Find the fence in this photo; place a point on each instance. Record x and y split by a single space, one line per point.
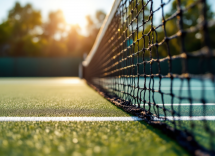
39 67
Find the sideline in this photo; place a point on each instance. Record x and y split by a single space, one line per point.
183 104
183 118
133 118
70 119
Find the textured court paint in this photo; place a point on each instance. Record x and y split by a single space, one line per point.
121 138
52 97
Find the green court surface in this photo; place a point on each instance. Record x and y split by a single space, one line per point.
29 97
52 97
84 138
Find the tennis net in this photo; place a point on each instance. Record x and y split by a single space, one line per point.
155 59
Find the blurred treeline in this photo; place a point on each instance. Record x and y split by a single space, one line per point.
150 34
24 34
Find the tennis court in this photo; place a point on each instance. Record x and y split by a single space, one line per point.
148 88
71 97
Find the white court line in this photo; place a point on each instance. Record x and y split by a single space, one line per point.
184 104
185 88
100 118
188 118
70 118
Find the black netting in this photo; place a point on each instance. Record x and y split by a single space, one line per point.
156 60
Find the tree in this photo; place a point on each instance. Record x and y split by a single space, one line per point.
74 41
55 25
24 34
5 31
53 33
24 19
93 28
191 18
20 23
192 42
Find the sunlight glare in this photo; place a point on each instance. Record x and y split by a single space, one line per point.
74 11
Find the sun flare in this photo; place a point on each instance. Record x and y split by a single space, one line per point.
75 11
72 17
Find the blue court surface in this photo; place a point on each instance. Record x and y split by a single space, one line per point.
180 96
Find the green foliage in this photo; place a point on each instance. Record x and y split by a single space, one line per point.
55 24
93 29
16 31
23 19
24 34
192 41
5 31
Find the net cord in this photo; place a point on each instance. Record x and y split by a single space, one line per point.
101 33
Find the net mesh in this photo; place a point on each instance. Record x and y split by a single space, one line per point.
156 60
